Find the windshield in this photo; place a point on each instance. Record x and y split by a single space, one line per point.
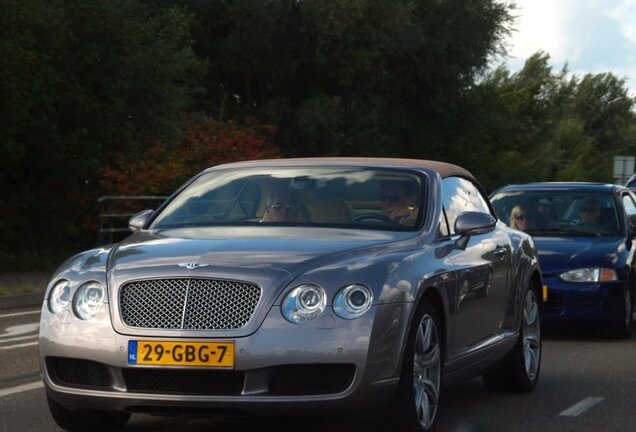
306 196
558 213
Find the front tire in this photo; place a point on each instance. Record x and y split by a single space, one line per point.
85 420
519 372
623 330
417 401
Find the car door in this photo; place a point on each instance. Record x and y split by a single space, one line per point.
478 304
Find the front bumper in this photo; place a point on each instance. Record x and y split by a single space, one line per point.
593 302
328 363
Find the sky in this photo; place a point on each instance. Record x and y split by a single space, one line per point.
591 36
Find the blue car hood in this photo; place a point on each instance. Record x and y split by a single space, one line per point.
559 254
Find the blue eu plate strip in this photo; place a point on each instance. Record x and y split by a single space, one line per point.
132 352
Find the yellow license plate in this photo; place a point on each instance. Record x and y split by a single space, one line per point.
181 353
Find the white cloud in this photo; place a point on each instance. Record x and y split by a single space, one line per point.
591 36
539 25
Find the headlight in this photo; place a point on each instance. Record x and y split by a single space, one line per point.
352 301
88 300
59 297
303 303
591 274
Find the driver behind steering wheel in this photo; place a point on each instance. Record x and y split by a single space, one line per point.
399 201
589 212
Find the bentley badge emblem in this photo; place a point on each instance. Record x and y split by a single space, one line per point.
192 266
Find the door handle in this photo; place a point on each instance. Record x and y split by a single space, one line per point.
500 252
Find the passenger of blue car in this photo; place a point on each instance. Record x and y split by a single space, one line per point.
546 216
520 218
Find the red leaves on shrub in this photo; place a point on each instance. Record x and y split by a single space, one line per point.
163 167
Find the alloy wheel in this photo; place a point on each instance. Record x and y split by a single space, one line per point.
426 371
531 330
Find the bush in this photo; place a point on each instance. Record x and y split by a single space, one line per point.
205 143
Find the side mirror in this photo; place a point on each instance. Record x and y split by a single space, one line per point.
138 220
472 223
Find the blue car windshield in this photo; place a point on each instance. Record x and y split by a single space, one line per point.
385 199
558 213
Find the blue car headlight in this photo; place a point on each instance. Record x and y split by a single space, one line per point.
589 274
352 301
303 303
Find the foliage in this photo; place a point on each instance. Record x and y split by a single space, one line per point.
546 126
80 82
347 77
100 97
205 143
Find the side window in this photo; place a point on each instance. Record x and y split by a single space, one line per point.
476 198
460 195
630 209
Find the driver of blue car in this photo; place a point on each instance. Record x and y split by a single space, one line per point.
589 212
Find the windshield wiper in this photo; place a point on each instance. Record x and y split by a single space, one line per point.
583 233
546 230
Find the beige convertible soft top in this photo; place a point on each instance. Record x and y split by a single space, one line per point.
443 168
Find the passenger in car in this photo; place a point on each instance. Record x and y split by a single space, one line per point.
281 206
546 214
589 212
399 201
520 218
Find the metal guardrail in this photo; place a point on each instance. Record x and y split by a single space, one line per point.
114 212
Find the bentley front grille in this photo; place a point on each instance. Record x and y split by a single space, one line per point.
188 304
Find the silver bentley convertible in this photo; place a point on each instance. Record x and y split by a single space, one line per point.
278 286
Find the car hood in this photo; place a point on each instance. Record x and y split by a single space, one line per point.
561 254
270 257
237 251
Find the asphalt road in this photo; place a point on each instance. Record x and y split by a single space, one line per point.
588 383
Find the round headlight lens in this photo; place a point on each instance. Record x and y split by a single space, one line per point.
88 300
303 303
60 296
352 301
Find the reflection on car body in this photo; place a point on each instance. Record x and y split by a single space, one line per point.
211 307
585 237
631 183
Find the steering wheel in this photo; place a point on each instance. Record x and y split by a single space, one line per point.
379 217
591 228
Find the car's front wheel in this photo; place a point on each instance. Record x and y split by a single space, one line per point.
623 329
85 420
520 370
417 400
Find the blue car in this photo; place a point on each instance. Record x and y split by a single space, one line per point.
584 233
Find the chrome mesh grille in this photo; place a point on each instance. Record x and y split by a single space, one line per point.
188 304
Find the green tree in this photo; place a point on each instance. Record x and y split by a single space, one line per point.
354 77
604 107
80 82
538 125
